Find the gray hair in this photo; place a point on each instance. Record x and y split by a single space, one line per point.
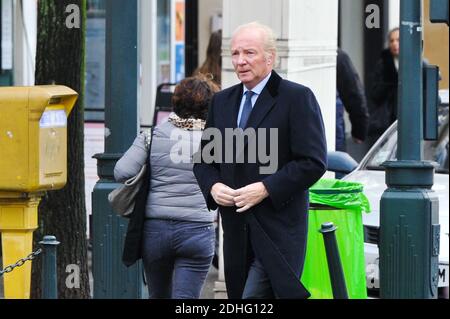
270 40
391 32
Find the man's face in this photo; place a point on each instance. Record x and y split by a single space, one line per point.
394 43
251 63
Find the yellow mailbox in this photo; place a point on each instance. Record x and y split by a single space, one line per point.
33 137
33 159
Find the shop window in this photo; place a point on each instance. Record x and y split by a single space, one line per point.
94 99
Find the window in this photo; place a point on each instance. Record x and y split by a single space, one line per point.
6 40
94 99
435 151
163 41
385 151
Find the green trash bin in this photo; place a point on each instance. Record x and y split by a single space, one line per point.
341 203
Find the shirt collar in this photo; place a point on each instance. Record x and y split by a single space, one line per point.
258 88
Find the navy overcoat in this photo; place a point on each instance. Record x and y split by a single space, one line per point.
276 229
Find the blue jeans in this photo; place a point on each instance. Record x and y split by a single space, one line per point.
177 256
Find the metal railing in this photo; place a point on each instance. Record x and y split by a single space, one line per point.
20 262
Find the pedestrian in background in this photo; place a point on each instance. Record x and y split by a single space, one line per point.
350 96
212 67
383 89
264 214
178 237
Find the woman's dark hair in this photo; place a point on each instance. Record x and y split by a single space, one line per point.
213 64
192 97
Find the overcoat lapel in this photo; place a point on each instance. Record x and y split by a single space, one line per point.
265 102
232 111
263 106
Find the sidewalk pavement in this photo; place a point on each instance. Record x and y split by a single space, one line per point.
207 292
208 287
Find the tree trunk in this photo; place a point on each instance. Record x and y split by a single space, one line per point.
60 60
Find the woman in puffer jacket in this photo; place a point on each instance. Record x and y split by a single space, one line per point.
178 237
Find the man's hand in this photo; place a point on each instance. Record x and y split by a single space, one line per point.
249 196
223 195
357 140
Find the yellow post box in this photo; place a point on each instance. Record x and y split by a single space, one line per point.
33 159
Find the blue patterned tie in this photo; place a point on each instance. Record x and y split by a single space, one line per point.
247 109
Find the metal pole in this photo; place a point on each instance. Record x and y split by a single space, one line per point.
409 220
112 280
334 261
410 124
49 270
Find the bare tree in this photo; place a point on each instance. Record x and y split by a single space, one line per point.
60 59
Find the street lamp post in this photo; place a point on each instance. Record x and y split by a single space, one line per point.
112 280
409 220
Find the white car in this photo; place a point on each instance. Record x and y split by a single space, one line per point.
370 173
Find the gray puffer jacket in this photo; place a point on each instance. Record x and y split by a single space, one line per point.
174 192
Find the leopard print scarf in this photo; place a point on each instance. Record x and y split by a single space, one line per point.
190 124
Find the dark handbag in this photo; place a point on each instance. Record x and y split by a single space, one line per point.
132 250
123 198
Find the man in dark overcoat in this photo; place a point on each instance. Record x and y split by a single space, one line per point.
263 204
